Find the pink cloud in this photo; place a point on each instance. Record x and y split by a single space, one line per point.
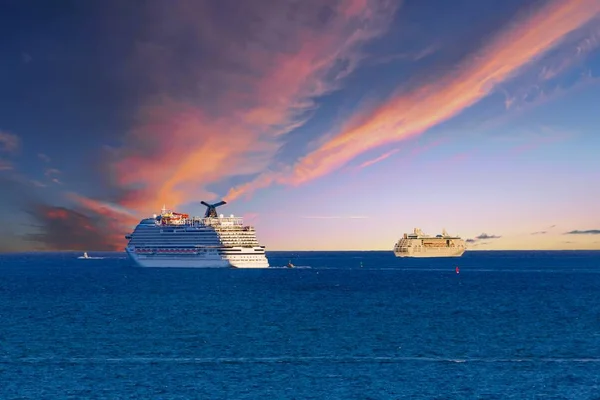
112 220
255 83
407 114
61 228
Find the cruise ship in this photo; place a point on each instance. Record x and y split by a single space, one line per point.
173 239
418 244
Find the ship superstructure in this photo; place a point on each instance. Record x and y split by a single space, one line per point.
418 244
174 239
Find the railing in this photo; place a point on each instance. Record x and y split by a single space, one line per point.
201 221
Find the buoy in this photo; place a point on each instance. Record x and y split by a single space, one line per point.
457 270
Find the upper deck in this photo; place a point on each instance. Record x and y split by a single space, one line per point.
220 222
418 234
169 218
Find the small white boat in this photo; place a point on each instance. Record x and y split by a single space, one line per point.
290 265
86 257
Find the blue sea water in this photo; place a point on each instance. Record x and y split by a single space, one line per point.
510 325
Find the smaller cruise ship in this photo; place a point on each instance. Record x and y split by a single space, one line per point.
417 244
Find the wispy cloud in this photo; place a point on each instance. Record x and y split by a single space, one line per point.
88 224
51 172
52 175
573 54
334 217
38 184
44 157
543 83
9 142
61 228
413 56
477 240
378 159
544 231
584 232
261 80
407 114
78 224
100 207
6 165
486 236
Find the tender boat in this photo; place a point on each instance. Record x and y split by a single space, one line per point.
86 257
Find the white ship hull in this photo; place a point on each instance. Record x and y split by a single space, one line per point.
200 261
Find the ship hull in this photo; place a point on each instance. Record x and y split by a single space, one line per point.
150 261
431 253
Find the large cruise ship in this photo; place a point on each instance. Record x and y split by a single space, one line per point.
418 244
177 240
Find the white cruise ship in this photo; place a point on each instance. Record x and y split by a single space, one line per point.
418 244
177 240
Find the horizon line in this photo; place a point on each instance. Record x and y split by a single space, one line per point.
299 251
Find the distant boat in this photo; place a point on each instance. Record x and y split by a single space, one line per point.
86 257
418 244
290 265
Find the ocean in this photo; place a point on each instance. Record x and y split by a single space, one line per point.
343 325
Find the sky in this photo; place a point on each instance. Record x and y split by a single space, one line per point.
326 124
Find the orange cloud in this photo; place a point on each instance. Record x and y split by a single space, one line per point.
111 220
56 213
61 228
407 114
100 207
259 85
